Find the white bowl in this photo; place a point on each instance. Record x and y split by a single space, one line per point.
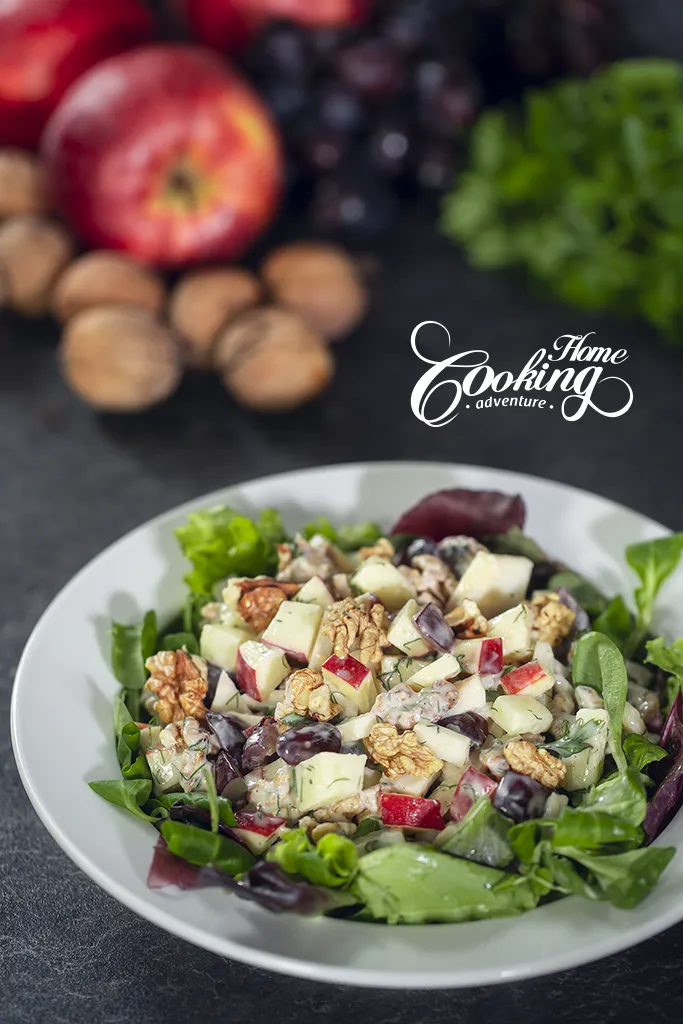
61 731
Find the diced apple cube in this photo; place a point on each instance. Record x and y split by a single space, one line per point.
413 785
315 591
585 768
220 644
514 628
481 656
530 679
445 667
149 736
260 669
294 629
399 809
404 634
379 576
227 697
494 582
445 790
517 714
326 778
471 696
257 831
394 669
472 785
352 679
444 743
163 769
357 728
322 649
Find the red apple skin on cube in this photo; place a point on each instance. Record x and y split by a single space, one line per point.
246 677
166 153
491 657
411 811
520 679
256 830
353 679
45 45
472 785
255 821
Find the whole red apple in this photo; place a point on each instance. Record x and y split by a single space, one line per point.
164 152
227 25
312 13
46 44
220 24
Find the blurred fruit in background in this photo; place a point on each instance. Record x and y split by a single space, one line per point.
164 152
378 111
177 155
227 25
46 44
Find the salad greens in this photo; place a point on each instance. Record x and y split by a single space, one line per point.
333 861
220 542
348 538
598 663
411 883
206 849
504 846
482 836
130 648
583 191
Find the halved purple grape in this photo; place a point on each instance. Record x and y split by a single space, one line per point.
227 731
520 797
259 748
303 741
469 724
582 621
228 777
434 628
420 546
213 674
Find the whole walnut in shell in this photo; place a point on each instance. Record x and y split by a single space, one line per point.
22 184
203 301
320 282
120 358
33 252
272 360
104 278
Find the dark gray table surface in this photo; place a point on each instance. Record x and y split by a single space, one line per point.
72 482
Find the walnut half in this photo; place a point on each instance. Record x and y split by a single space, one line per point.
307 694
525 757
352 626
260 599
401 753
179 681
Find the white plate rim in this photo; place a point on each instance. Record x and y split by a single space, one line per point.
283 964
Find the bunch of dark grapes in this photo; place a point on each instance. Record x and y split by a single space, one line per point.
378 114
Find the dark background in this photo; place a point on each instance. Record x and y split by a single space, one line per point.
72 482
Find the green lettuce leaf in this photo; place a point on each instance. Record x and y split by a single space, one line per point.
332 862
653 561
348 538
206 849
597 662
415 884
481 836
220 542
